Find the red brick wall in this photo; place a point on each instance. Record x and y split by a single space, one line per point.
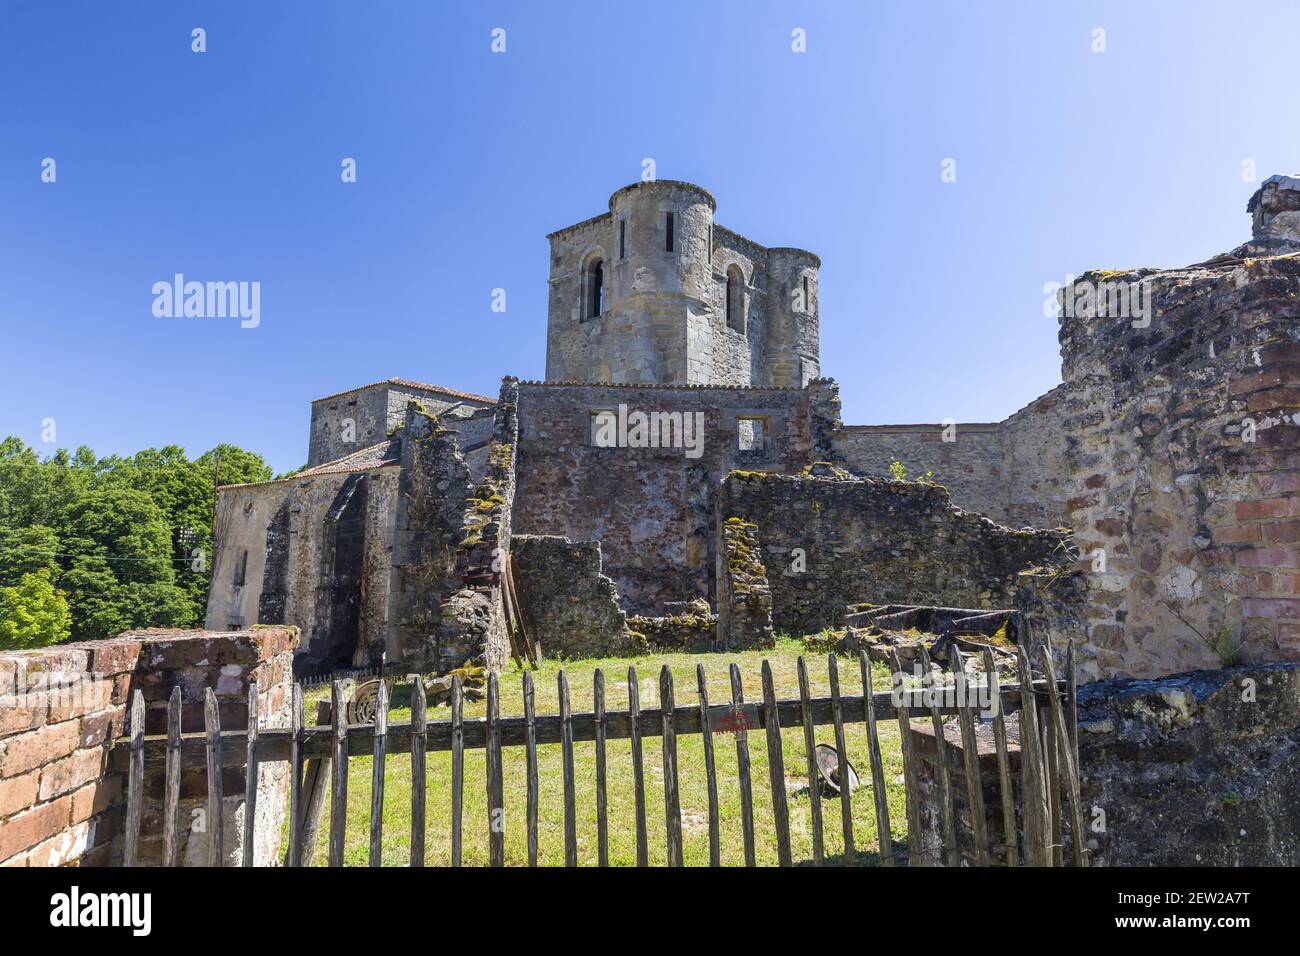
62 707
1263 538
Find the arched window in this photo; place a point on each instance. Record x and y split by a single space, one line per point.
595 288
735 300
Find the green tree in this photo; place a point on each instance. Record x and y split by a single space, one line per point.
26 551
127 539
124 565
33 613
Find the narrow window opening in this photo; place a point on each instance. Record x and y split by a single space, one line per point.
734 305
668 241
241 568
622 238
596 292
750 434
807 302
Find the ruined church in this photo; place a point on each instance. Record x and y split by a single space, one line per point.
1149 495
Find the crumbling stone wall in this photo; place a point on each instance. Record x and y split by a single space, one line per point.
63 793
1186 467
349 421
273 559
435 493
1196 769
745 597
568 604
651 509
1013 471
828 542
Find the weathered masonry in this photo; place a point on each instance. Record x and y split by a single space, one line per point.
679 353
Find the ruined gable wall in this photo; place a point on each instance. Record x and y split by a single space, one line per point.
878 541
651 509
281 526
1183 509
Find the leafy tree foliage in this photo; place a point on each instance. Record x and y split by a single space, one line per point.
33 613
125 541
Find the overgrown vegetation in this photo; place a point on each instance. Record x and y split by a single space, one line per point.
93 546
898 472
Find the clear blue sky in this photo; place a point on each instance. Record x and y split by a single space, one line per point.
225 166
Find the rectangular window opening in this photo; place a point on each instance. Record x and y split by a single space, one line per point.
241 568
751 434
622 238
668 241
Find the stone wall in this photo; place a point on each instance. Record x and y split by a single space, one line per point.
1013 471
828 542
1185 467
745 597
349 421
273 560
568 604
651 509
62 797
1197 769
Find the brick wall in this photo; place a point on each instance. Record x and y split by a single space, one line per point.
1185 463
62 795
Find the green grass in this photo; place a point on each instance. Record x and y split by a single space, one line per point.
691 775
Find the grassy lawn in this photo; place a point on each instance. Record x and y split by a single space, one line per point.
691 776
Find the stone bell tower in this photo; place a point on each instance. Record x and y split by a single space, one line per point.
655 292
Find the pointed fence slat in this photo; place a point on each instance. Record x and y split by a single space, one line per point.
570 796
742 765
172 784
457 766
602 795
776 768
295 778
710 771
915 856
1072 704
638 768
1033 794
377 769
135 785
885 838
495 788
419 775
971 761
814 781
530 715
1066 756
1053 776
339 790
942 763
250 778
212 724
841 747
1004 761
316 786
672 800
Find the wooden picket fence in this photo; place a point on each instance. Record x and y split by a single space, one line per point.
318 756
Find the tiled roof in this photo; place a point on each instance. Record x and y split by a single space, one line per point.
376 456
406 382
